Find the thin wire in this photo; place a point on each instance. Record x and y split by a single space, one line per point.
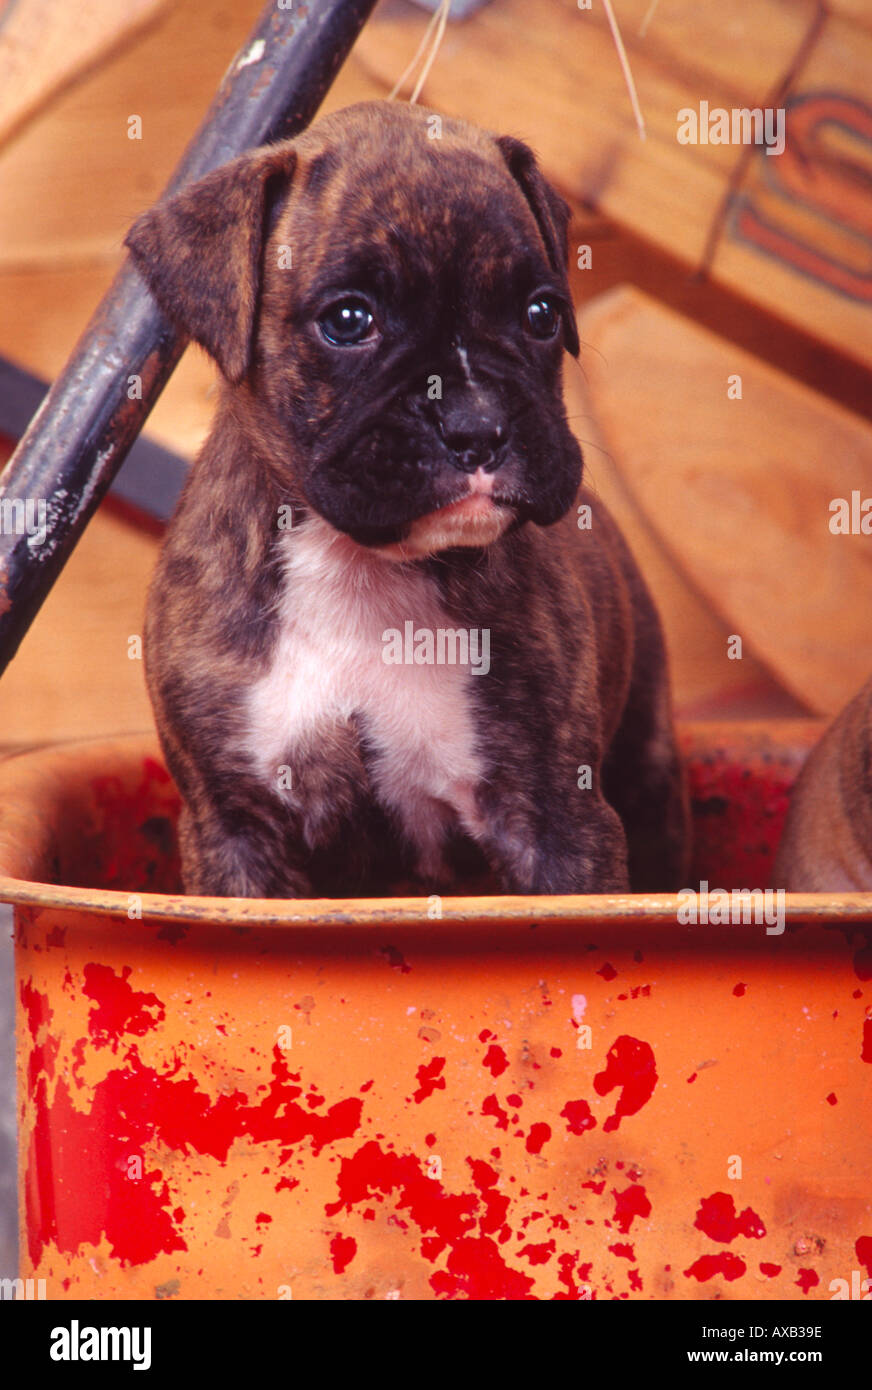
442 13
625 67
421 46
649 15
438 15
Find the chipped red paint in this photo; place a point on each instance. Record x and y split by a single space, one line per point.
566 1264
395 959
630 1065
578 1116
42 1061
623 1251
539 1135
739 989
496 1204
808 1279
120 1009
429 1079
632 1202
373 1172
133 1212
342 1251
832 1098
769 1270
866 1052
36 1006
495 1060
539 1254
863 1251
739 806
491 1106
607 970
133 845
717 1219
474 1267
707 1266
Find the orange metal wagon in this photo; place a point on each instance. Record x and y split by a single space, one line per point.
485 1098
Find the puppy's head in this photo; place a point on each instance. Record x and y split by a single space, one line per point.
390 291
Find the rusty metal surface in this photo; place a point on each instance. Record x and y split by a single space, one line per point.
80 435
527 1098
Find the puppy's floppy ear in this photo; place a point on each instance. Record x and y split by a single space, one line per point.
552 215
200 252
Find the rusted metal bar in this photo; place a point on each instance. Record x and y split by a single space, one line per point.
79 437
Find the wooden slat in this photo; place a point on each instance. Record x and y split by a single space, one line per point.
45 44
72 676
738 492
560 86
704 684
73 182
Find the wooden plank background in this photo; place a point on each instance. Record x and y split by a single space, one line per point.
560 87
71 182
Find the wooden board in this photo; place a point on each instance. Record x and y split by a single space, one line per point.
72 676
73 182
46 44
738 492
705 685
794 234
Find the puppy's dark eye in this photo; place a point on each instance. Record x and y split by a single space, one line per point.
347 322
542 318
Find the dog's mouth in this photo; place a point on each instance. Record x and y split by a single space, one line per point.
466 510
477 519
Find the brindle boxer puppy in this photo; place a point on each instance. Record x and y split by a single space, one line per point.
389 306
827 841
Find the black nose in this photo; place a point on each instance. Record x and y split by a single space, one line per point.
473 434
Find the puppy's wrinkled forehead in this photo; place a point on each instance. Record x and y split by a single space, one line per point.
418 210
385 206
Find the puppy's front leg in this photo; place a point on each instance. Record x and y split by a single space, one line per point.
290 827
239 849
554 843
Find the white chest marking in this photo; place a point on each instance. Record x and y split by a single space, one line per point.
328 664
